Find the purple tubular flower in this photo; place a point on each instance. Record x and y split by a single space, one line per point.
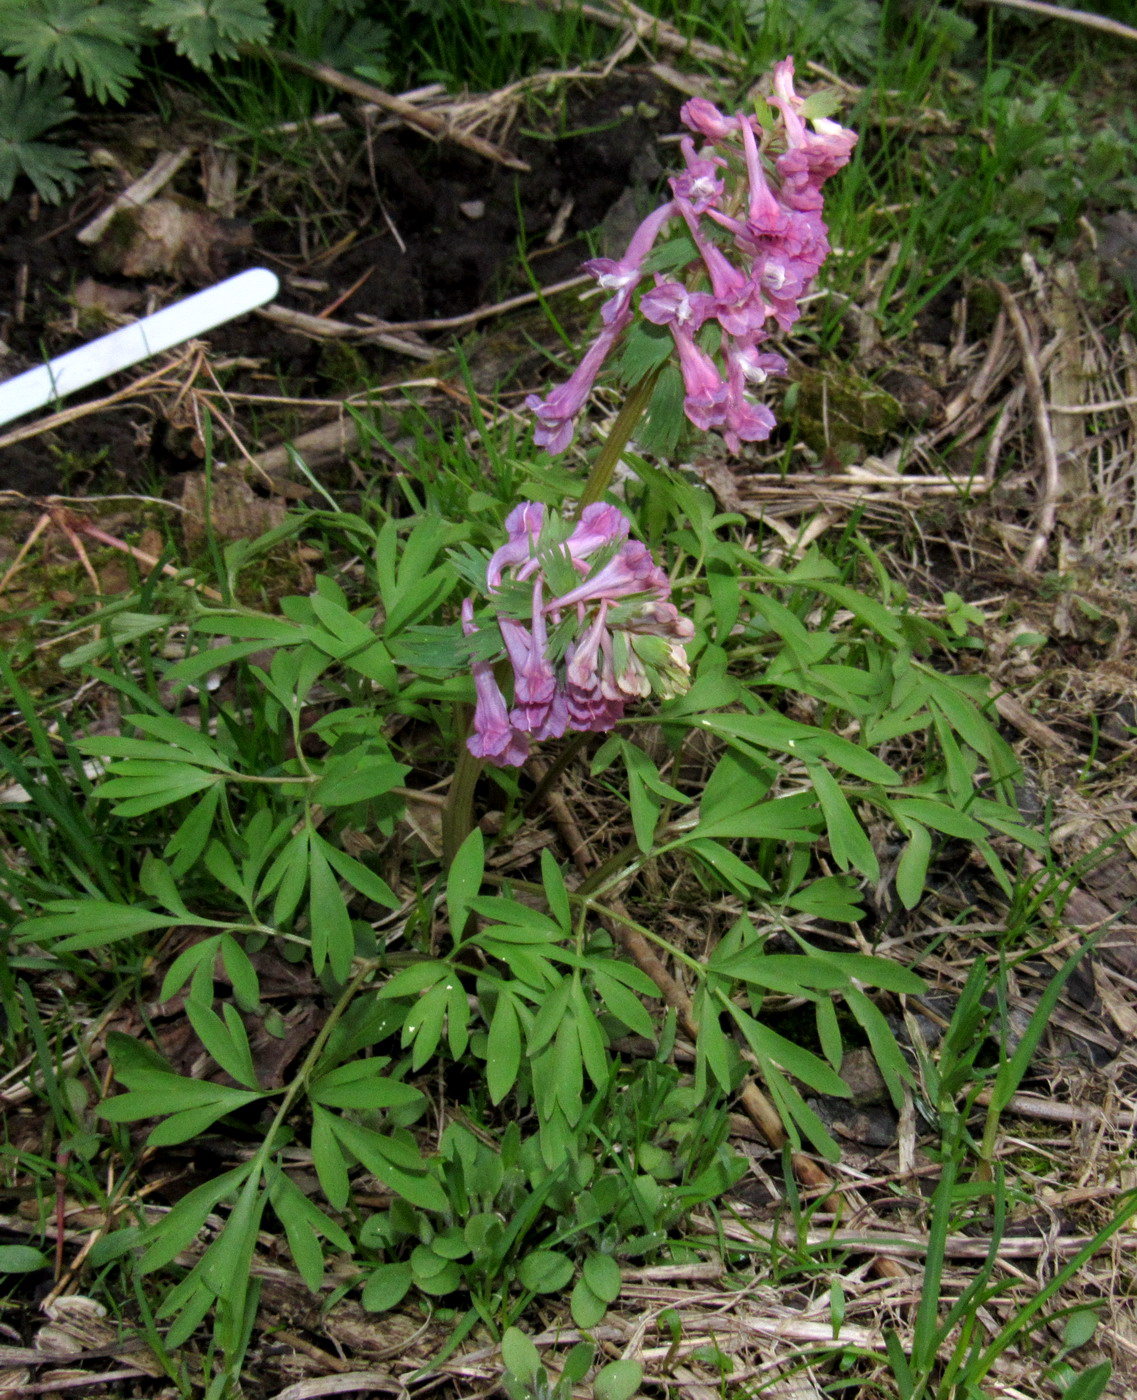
700 186
752 365
813 156
737 303
592 705
701 115
535 698
632 571
770 204
671 304
493 736
523 525
628 643
707 392
557 413
599 525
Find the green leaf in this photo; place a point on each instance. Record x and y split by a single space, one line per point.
464 880
730 868
624 1005
555 890
796 1113
359 876
603 1276
409 981
792 818
303 1223
433 1273
590 1035
328 1159
91 923
179 1227
425 1021
829 1031
545 1271
97 43
519 1354
21 1259
386 1287
886 1051
381 1157
645 810
140 793
225 1040
365 780
793 974
359 1084
241 973
619 1380
1079 1328
775 731
220 864
503 1048
712 1050
1089 1384
834 897
887 973
588 1308
193 1104
184 848
157 880
27 111
174 734
288 875
803 1064
847 838
225 1266
938 816
912 868
333 941
207 29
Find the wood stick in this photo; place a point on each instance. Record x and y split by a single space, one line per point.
1052 479
429 123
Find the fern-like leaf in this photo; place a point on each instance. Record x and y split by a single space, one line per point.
97 43
202 30
27 110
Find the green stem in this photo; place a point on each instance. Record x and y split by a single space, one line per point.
458 813
603 469
300 1081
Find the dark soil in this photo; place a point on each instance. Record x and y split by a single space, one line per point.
415 230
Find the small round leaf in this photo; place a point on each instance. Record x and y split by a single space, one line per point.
602 1275
545 1271
587 1308
521 1357
619 1380
387 1287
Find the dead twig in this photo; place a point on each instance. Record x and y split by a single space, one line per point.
497 308
140 192
83 410
429 123
623 14
325 328
1052 480
1089 19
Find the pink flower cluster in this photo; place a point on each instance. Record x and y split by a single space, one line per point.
777 242
582 653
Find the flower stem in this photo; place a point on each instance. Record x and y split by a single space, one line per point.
458 813
603 469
